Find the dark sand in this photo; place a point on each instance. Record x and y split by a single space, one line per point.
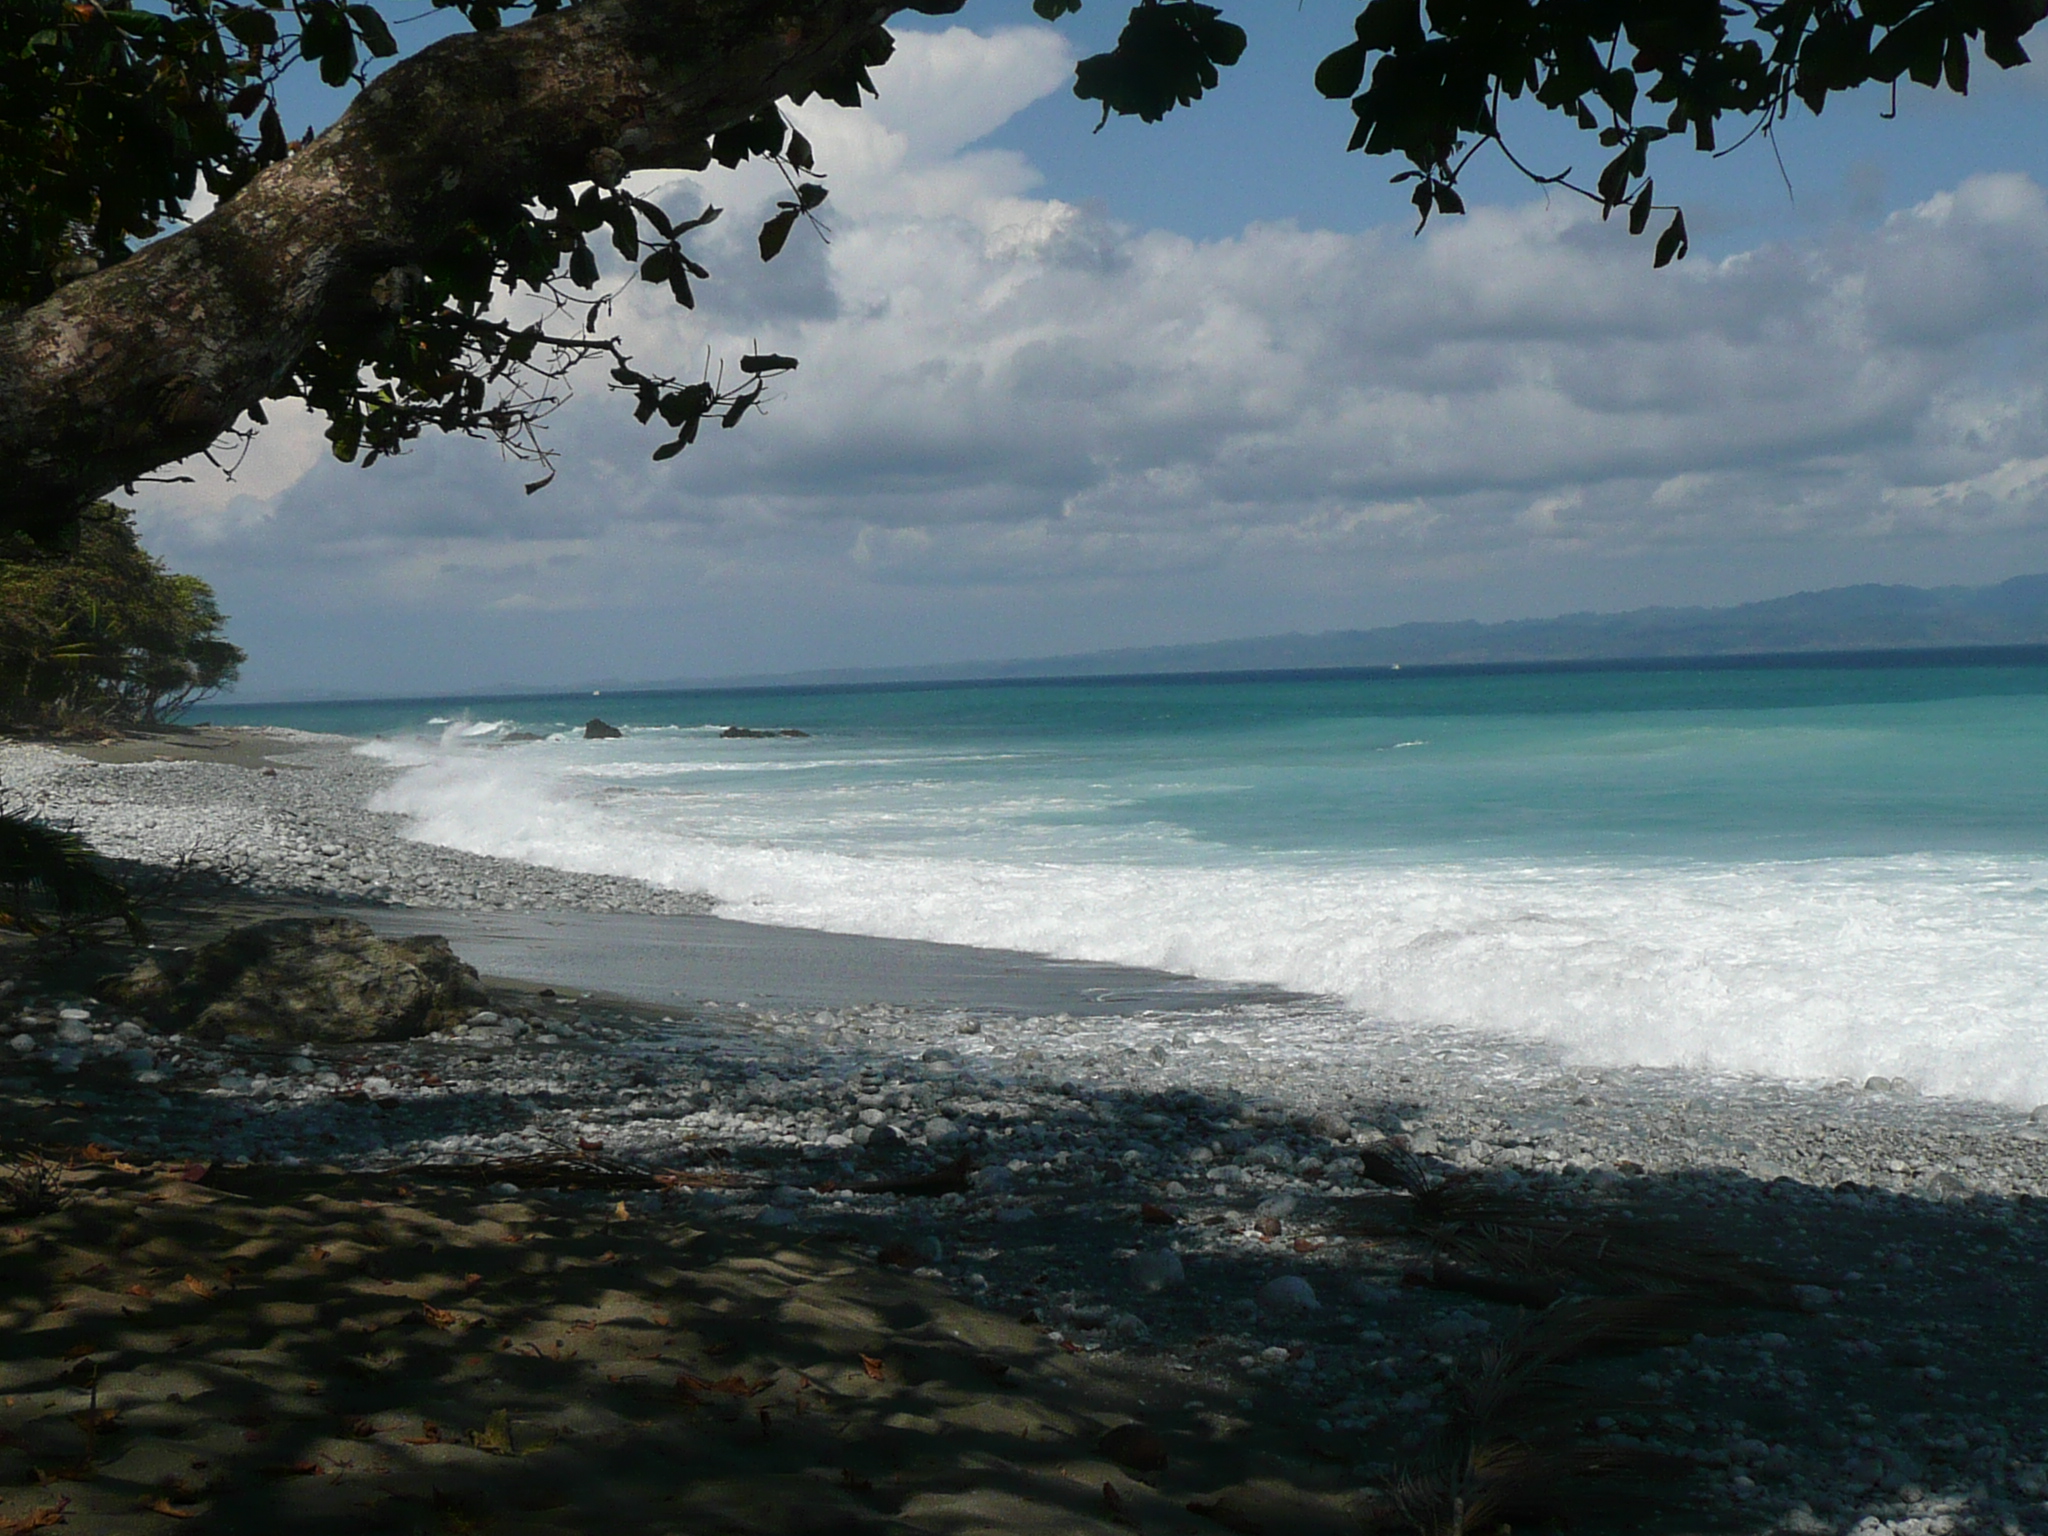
239 747
325 1352
665 960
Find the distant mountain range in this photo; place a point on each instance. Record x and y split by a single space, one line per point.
1860 618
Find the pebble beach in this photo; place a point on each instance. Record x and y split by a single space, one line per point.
1186 1194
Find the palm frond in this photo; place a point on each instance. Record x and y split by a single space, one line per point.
45 873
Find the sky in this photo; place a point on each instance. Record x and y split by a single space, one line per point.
1065 390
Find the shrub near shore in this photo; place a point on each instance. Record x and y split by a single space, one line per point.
96 637
103 635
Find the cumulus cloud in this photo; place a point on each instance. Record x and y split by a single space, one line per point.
1002 389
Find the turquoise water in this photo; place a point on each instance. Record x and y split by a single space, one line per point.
1803 871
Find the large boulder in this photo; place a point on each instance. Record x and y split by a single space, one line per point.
304 978
595 729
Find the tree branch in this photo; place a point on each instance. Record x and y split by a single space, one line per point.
151 360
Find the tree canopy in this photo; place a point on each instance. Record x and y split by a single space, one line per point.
365 271
103 635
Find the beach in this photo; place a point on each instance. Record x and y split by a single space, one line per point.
1360 1228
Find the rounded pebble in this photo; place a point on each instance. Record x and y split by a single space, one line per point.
1289 1293
1158 1270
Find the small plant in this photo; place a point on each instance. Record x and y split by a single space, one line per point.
1511 1453
32 1185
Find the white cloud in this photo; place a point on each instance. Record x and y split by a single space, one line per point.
999 388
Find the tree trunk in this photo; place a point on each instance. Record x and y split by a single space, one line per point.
153 359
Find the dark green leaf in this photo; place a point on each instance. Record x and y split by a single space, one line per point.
1342 73
1672 245
775 233
653 214
375 34
251 26
1639 212
1386 25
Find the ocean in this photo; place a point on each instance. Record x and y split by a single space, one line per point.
1818 870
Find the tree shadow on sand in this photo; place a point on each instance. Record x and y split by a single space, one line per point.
260 1348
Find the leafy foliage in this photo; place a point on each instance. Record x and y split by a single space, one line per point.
1171 51
1634 73
1427 78
114 117
104 635
47 874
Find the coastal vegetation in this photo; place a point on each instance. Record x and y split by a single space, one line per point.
101 635
95 636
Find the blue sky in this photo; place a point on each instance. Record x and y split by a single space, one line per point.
1210 171
1064 390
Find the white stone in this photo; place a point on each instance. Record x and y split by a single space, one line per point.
1289 1293
73 1031
1158 1270
73 1015
939 1128
23 1042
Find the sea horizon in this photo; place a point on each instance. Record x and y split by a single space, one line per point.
1849 657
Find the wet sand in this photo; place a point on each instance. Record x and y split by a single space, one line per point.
665 959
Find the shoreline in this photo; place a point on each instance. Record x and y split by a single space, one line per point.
1902 1227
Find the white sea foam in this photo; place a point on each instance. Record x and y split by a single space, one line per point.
1928 967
